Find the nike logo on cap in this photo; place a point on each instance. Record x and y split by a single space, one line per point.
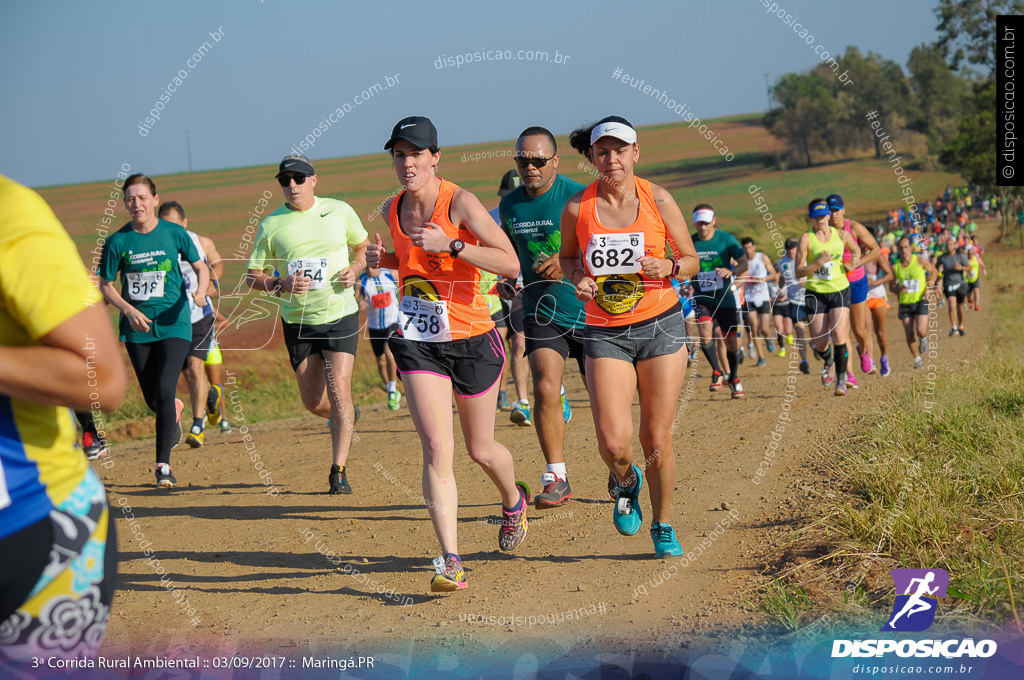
407 125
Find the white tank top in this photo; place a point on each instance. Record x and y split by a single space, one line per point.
192 282
756 293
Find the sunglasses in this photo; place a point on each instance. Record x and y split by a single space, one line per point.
286 180
538 162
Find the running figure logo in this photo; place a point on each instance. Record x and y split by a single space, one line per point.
914 611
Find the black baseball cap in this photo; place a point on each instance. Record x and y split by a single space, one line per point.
510 181
417 130
791 243
835 202
296 163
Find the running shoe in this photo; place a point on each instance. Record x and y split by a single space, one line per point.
952 332
717 382
961 331
866 365
826 376
805 367
164 476
195 437
521 414
760 362
338 480
789 339
503 403
566 408
627 515
782 351
922 345
885 367
840 388
213 404
771 346
918 362
514 524
665 543
450 575
751 349
737 388
851 380
94 447
178 408
556 492
394 400
225 426
355 410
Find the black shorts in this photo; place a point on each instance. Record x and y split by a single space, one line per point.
971 287
726 318
822 303
473 365
919 308
379 338
781 309
568 342
202 338
515 315
763 308
305 340
798 313
960 293
499 318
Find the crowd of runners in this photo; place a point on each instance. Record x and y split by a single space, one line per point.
608 275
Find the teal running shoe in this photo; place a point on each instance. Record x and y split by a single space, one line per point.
503 403
566 408
665 543
626 515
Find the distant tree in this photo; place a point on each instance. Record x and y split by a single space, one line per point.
879 85
967 29
805 118
941 98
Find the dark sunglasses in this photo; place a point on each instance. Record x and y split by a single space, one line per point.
285 180
539 162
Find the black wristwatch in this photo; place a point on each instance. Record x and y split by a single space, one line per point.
457 246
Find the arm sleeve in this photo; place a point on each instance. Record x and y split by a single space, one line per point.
260 249
109 262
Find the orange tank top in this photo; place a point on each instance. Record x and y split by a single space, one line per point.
624 294
440 276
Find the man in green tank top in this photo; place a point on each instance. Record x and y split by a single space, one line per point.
913 275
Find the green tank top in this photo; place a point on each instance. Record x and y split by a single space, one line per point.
973 270
830 277
914 280
488 285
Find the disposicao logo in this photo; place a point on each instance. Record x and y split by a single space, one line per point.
913 612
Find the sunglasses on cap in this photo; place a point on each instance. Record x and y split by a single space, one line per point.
537 162
285 180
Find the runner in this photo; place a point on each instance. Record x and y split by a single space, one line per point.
819 257
620 264
58 551
446 340
553 319
781 322
379 290
93 443
878 274
155 325
758 300
795 294
974 268
215 400
914 275
712 295
320 242
860 314
951 266
512 322
202 319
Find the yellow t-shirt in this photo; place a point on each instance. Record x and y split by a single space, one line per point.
316 242
43 283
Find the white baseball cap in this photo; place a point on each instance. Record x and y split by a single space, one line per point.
614 129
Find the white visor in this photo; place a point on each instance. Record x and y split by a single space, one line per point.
613 129
703 215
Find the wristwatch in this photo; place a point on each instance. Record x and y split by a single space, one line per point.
456 247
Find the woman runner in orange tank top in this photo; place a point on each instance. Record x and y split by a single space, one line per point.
443 236
623 239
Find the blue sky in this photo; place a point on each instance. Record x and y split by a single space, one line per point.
80 78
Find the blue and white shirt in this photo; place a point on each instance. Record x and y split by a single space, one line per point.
381 294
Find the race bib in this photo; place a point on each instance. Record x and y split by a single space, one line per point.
615 254
424 320
824 272
911 286
708 281
311 267
146 285
381 300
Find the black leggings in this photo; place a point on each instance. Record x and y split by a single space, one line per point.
157 366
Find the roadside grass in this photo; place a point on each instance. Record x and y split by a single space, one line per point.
934 478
